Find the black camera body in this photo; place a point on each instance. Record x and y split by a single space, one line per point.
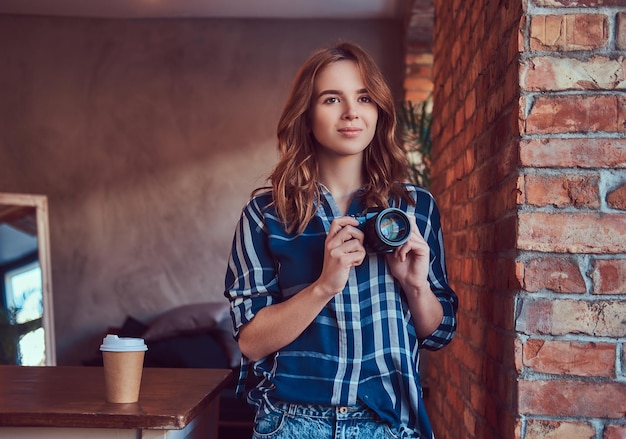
384 229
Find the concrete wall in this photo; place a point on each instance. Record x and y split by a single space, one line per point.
148 136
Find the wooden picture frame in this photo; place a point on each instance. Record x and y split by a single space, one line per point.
13 207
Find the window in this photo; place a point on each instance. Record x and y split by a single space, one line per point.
23 298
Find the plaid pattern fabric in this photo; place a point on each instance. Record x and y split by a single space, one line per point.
362 345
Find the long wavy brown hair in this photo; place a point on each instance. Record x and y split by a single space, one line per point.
295 178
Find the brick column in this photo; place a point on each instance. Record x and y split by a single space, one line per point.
529 169
570 314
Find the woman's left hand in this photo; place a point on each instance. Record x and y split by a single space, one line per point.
410 263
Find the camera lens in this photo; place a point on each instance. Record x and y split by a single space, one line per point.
390 228
386 229
393 226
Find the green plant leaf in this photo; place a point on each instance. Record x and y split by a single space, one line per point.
415 123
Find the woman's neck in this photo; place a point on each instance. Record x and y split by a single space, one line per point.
342 180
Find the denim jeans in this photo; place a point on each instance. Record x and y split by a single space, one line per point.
277 420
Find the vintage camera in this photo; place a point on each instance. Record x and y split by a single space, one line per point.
384 229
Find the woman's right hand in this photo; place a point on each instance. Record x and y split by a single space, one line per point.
343 249
277 325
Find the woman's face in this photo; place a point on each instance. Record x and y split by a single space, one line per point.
343 114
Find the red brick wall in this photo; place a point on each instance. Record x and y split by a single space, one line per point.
572 221
418 83
474 178
529 170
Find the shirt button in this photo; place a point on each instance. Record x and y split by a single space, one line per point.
343 410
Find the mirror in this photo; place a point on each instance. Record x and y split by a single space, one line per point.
26 309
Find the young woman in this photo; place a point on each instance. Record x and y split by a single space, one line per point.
331 328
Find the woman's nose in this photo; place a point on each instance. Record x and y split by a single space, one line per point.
350 113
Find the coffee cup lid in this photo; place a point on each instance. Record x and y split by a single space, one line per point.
113 343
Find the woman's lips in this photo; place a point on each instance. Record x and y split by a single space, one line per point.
350 131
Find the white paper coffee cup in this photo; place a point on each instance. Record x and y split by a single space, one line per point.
123 366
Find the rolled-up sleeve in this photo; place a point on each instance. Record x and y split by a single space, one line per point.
429 222
251 275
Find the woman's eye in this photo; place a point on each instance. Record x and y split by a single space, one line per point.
331 100
365 99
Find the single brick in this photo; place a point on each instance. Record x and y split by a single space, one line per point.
570 358
561 275
563 190
418 71
547 73
609 276
571 232
599 318
578 113
621 32
422 58
568 32
614 432
418 83
536 429
617 198
572 398
580 153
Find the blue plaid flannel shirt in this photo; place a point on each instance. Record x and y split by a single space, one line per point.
362 345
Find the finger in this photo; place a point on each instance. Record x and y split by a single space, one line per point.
350 254
402 252
341 222
349 233
338 247
415 244
345 257
414 229
354 245
344 229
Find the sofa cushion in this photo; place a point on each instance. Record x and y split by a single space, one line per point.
187 319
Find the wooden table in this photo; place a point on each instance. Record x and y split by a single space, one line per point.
65 402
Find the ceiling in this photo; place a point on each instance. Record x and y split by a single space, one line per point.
289 9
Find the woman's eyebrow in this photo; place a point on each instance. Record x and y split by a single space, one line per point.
329 92
338 92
